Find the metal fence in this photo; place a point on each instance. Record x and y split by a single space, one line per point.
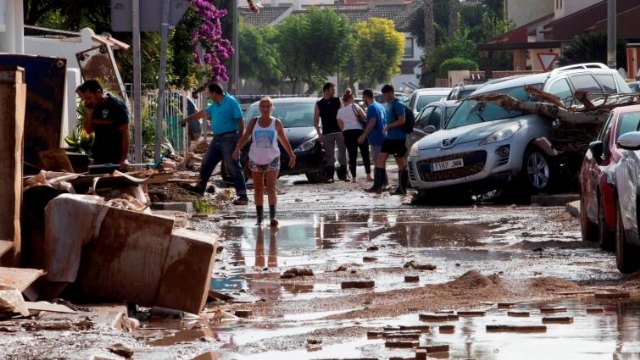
178 104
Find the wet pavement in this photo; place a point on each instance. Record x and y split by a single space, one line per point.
479 256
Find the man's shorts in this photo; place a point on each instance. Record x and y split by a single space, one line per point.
397 148
272 166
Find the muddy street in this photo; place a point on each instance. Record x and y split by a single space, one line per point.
351 275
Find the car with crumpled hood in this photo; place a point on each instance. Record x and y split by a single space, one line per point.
486 147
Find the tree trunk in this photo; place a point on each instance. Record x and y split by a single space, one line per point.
429 32
454 16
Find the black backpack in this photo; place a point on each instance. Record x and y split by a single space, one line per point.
409 119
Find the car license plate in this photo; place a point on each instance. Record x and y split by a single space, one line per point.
446 165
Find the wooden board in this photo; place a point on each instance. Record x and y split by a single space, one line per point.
19 278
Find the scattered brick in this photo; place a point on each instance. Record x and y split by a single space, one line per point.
438 317
557 320
447 329
436 348
369 259
402 335
472 312
516 328
613 295
421 354
243 313
401 344
518 313
506 305
365 284
595 310
411 278
552 309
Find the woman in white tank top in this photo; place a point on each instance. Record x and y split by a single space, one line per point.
264 156
352 127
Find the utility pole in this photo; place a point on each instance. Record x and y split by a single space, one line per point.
137 79
612 36
164 39
236 56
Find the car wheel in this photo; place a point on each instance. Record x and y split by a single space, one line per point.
320 176
536 170
627 255
606 238
588 229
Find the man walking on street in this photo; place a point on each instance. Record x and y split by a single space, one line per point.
374 123
227 126
331 136
394 143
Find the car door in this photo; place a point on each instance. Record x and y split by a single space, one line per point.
592 169
422 121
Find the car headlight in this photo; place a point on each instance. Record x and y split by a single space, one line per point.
414 151
305 146
502 134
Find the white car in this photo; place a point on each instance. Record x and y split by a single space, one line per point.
423 97
626 176
485 147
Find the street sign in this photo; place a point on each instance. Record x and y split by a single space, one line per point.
150 14
547 60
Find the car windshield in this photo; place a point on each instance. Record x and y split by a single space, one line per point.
474 112
425 100
292 114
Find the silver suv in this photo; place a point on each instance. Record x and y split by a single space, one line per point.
484 146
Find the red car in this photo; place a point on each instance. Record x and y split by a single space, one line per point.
597 192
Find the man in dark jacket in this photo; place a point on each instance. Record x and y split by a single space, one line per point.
331 136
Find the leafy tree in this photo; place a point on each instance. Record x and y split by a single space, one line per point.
378 51
259 58
591 47
313 46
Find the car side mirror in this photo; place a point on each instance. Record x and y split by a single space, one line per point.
629 141
429 129
597 148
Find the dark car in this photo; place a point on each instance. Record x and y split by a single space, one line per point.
296 115
431 118
597 191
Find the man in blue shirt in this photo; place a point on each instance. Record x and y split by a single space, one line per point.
374 124
394 143
227 126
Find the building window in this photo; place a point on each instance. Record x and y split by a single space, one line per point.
558 4
408 47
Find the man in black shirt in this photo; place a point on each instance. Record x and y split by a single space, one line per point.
108 117
331 135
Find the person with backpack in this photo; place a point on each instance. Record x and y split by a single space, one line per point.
394 143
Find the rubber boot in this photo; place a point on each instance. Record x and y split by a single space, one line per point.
403 180
378 178
260 214
272 216
385 180
330 170
342 173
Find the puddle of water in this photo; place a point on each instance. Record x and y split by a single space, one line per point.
183 336
457 242
612 334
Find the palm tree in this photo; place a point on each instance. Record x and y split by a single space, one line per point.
429 31
454 16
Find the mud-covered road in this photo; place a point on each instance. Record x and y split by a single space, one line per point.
500 261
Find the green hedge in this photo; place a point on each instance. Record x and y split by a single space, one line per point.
456 63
